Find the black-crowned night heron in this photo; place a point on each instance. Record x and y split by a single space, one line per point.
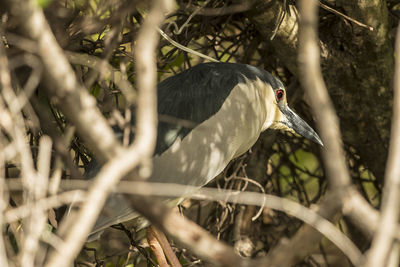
228 105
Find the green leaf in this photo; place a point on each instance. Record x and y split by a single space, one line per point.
44 3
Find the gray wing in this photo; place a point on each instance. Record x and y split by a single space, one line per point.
196 94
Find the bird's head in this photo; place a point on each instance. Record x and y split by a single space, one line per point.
286 119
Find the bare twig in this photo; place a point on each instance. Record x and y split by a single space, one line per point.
280 19
166 247
43 166
3 205
177 121
184 48
194 12
155 246
360 212
259 186
45 204
334 11
37 217
382 243
393 260
146 68
306 239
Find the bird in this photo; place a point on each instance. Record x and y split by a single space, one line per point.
209 115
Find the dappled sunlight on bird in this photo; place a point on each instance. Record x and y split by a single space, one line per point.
229 105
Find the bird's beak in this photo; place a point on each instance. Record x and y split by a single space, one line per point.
294 122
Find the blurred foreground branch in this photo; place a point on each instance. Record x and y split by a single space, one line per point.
139 152
383 242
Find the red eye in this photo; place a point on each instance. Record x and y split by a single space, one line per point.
279 94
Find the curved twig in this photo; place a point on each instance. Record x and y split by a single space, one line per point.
184 48
345 16
239 197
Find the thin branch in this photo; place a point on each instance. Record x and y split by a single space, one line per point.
360 212
303 243
146 69
37 218
44 204
155 246
43 166
312 81
334 11
382 243
194 12
3 206
166 247
184 48
281 17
